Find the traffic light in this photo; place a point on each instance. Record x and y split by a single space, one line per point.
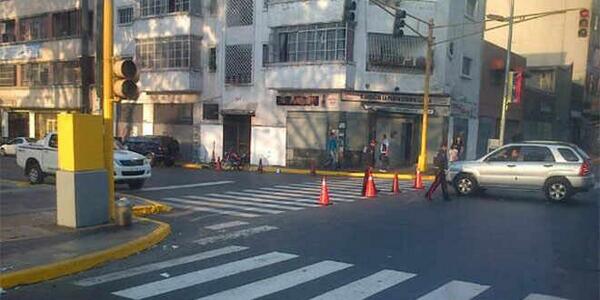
399 23
349 11
516 79
126 77
584 23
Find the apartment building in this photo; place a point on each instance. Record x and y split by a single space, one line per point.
272 79
591 92
46 63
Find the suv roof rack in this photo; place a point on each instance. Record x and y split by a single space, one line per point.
547 143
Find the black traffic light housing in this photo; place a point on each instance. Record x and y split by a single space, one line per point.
126 77
399 23
349 10
584 23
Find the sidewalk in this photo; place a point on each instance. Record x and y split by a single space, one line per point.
33 248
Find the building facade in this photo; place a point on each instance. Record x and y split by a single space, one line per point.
591 92
46 63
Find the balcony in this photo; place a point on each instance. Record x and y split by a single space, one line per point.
171 81
165 26
318 75
290 12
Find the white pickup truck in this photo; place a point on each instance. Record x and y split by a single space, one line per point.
41 159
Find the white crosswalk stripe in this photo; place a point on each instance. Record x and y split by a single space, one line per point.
455 290
368 286
309 186
542 297
209 201
190 279
280 282
248 201
254 195
226 225
314 193
158 266
235 234
213 210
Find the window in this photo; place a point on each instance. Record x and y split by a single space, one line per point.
239 12
8 75
466 66
317 42
541 80
36 74
387 53
53 142
181 114
471 8
66 23
568 155
238 64
150 8
179 52
7 31
31 29
505 154
265 54
125 15
537 154
210 111
67 72
213 7
212 59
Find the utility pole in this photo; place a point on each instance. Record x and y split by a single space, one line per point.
84 61
507 93
422 163
107 102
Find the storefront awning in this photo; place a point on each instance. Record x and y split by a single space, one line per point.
397 109
239 108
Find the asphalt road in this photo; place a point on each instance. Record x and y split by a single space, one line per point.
248 235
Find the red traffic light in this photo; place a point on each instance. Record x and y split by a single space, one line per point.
584 13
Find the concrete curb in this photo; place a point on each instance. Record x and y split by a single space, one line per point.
401 176
85 262
17 183
151 208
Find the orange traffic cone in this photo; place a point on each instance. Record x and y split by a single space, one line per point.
324 197
418 181
219 167
365 179
371 190
260 166
313 170
395 185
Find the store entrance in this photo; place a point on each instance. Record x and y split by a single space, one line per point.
236 134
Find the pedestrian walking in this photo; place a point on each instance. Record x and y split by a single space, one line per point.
460 146
441 163
370 153
453 153
332 149
384 150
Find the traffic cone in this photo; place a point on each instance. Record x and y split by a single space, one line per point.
418 181
219 167
324 197
371 190
313 170
260 166
395 185
365 179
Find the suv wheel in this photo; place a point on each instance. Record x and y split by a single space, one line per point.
34 174
558 189
465 184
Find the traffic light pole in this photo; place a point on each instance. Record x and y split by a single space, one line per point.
507 93
107 103
422 163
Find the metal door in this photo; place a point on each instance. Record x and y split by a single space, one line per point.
236 134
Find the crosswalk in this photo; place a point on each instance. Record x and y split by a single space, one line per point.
280 271
277 199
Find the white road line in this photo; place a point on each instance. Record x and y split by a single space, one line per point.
214 203
214 210
294 200
201 276
158 266
235 234
344 191
316 192
259 202
185 186
542 297
280 282
219 198
226 225
368 286
455 290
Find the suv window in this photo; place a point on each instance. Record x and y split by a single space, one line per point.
53 142
506 154
567 154
537 154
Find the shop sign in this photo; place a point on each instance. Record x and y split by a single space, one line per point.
392 98
298 100
19 52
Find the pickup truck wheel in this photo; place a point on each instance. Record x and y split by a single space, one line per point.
465 185
136 184
35 174
558 189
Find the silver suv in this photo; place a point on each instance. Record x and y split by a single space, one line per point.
559 169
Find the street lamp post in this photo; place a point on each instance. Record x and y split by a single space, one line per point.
507 93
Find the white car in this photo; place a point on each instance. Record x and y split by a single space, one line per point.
41 159
10 148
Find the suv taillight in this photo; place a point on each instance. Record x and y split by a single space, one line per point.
585 168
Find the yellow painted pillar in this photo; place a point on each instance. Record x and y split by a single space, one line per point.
107 103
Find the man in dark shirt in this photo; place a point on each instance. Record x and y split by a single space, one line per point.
441 163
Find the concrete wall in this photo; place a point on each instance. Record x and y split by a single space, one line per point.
11 9
268 144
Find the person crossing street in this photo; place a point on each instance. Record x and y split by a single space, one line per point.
441 163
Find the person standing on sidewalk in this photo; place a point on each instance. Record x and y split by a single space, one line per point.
384 150
332 148
441 163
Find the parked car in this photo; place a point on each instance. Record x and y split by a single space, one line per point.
156 148
10 148
559 169
41 159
